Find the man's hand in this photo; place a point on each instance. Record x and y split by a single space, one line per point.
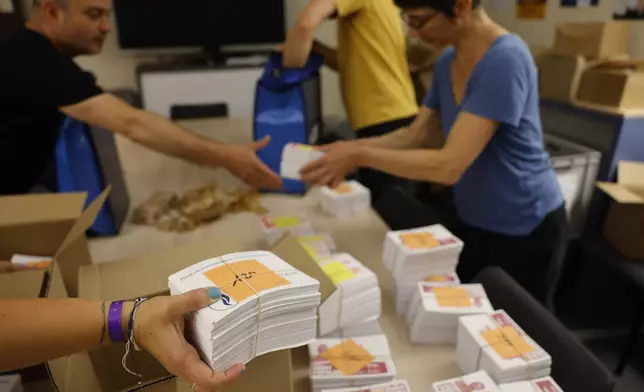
7 267
159 329
341 159
242 161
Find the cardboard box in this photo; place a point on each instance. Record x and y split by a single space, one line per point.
559 75
598 40
624 224
619 88
47 225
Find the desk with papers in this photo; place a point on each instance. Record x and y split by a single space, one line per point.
361 236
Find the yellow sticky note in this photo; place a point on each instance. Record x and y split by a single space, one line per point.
507 342
338 272
419 240
436 279
452 297
348 357
245 278
285 222
343 189
311 238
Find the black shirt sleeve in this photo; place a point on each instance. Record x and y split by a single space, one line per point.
48 76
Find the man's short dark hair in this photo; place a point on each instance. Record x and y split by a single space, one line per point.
38 3
443 6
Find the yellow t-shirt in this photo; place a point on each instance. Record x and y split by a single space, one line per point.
374 75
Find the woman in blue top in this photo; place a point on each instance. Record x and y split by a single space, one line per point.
478 130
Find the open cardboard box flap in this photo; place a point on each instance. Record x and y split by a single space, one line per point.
629 188
122 279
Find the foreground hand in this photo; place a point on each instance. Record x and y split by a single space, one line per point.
7 267
243 162
159 329
341 159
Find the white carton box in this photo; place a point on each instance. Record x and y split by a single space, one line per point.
350 198
295 156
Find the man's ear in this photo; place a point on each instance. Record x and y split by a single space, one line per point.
462 7
52 10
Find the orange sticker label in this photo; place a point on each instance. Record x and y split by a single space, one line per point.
452 297
343 189
419 240
436 279
244 279
507 342
348 357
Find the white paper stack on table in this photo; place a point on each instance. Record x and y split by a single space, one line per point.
394 386
496 344
266 305
275 227
479 381
30 261
407 291
355 362
357 298
413 255
318 246
348 199
546 384
434 313
295 156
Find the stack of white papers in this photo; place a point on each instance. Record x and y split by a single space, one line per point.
434 313
357 298
355 362
357 330
479 381
274 227
295 156
266 305
496 344
413 255
348 199
318 246
41 262
546 384
406 290
394 386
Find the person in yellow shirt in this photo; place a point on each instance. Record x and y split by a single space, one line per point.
371 59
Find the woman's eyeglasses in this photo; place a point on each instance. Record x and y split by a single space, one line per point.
417 22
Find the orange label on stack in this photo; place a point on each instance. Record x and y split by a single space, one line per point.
343 189
507 342
419 240
452 297
436 279
243 279
348 357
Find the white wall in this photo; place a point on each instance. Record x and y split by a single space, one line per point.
115 68
541 32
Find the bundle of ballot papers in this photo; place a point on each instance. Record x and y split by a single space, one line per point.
357 298
318 246
434 313
546 384
295 157
479 381
394 386
413 255
275 227
496 344
357 330
348 199
347 363
266 305
406 290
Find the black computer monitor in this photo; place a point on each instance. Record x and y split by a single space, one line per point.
204 23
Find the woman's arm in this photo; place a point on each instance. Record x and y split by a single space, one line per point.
38 330
330 55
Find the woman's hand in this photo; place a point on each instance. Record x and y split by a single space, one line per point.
341 159
159 329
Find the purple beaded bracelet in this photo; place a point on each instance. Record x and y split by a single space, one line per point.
114 321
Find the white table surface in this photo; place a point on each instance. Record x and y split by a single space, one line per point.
361 236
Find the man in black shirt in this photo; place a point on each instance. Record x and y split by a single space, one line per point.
40 84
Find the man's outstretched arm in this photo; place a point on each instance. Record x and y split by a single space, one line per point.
158 133
299 41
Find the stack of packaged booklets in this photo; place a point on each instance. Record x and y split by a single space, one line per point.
348 199
266 305
319 246
394 386
275 227
496 344
546 384
434 313
414 255
479 381
349 363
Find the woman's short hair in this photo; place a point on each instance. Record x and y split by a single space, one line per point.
445 7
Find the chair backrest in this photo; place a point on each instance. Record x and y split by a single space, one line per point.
401 211
574 367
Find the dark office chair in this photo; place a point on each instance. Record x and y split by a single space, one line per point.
401 211
574 367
